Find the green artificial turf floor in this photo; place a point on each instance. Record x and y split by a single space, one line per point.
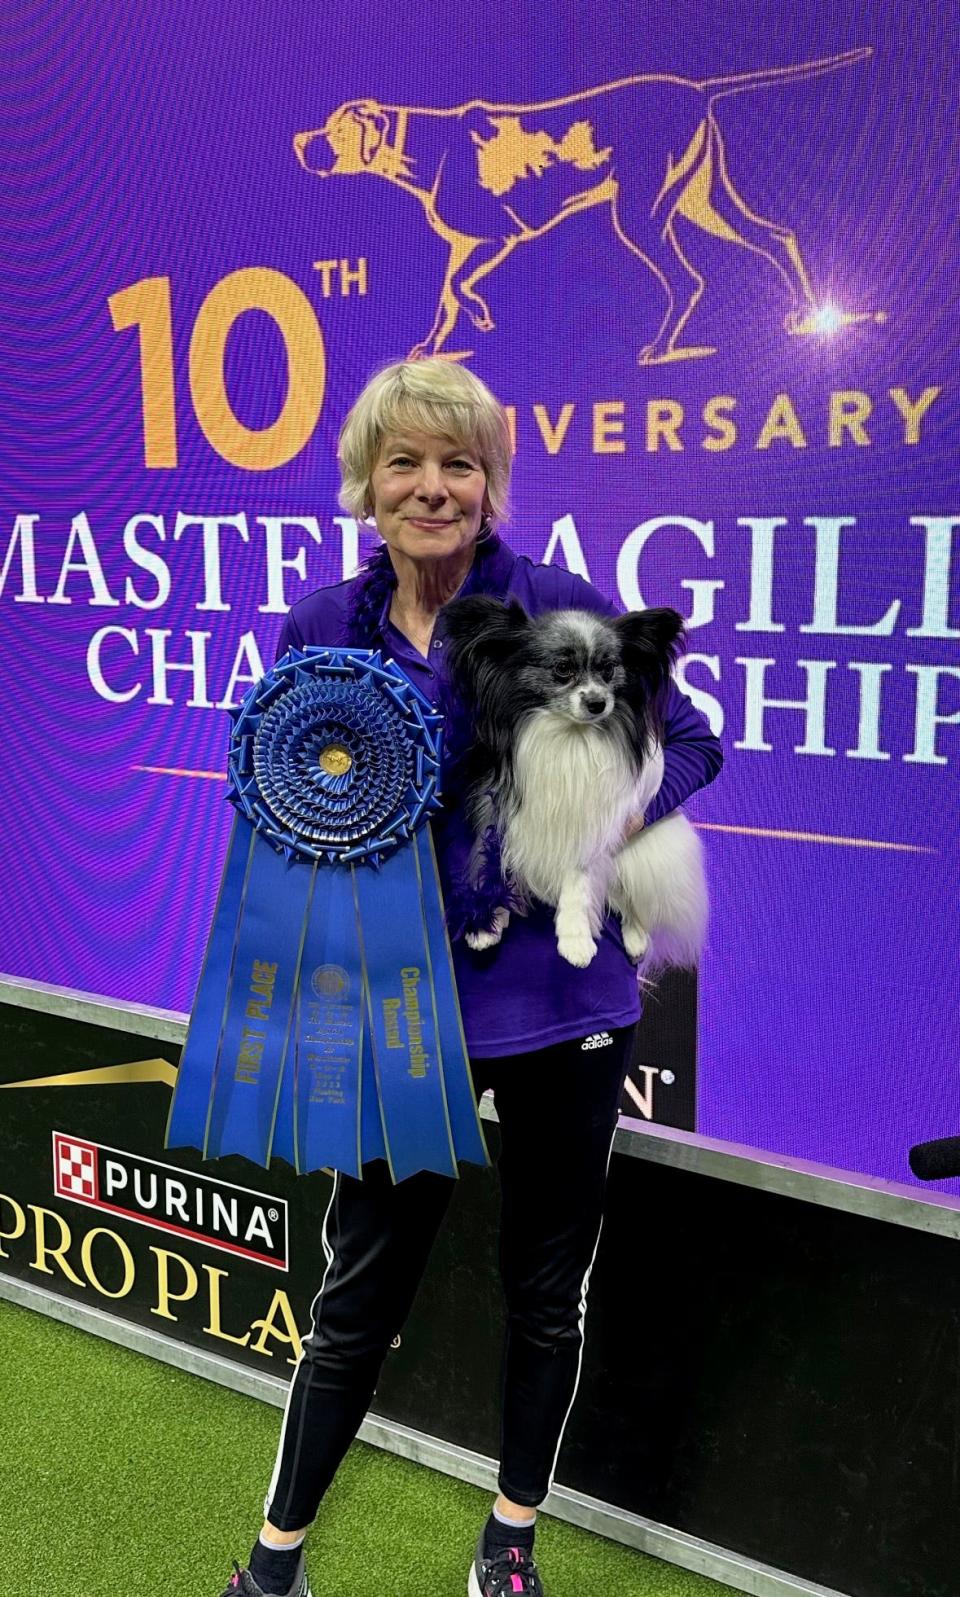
124 1477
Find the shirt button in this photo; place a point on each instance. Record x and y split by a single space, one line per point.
438 644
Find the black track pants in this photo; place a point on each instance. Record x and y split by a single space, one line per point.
558 1110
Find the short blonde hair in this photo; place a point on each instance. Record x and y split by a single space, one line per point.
432 396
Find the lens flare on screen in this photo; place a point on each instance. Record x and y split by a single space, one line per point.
827 319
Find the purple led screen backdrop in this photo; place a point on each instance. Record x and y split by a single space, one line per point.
707 257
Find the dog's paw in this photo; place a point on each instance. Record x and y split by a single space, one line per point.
635 940
577 948
490 936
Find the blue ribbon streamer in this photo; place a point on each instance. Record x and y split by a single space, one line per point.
330 1035
256 1027
401 1008
465 1123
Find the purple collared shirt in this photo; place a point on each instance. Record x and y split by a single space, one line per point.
520 995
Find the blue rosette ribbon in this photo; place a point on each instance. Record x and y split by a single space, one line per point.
326 1029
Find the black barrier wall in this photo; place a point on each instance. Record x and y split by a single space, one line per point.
772 1376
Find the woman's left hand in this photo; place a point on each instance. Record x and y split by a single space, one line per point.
633 826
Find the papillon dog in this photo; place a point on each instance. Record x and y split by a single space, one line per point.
568 748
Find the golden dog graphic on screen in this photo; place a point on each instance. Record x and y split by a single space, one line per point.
490 177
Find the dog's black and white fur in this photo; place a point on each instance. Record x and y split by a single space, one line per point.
568 748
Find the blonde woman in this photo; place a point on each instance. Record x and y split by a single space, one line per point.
425 452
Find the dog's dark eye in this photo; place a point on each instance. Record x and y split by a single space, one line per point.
563 671
605 673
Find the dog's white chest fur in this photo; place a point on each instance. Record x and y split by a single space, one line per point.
562 831
576 788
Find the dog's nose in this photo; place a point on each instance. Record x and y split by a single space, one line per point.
595 705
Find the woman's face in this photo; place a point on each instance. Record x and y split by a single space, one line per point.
428 494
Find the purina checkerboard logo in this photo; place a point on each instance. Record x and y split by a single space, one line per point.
253 1225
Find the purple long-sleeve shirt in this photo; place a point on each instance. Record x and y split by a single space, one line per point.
520 995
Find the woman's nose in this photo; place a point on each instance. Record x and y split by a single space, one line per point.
431 485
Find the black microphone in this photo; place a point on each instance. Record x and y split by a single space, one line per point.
936 1161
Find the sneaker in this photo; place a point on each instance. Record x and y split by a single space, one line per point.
242 1583
510 1570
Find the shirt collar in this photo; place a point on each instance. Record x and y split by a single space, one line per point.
490 575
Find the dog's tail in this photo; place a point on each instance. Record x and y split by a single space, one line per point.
747 82
666 884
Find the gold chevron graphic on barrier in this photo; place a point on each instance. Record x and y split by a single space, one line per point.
109 1075
491 176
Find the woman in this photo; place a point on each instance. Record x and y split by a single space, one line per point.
426 452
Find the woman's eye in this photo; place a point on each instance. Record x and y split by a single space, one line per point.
460 465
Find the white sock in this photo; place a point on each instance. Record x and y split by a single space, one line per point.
503 1520
280 1547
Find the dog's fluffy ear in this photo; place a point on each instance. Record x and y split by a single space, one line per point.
651 642
480 631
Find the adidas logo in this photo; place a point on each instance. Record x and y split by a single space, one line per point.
596 1039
